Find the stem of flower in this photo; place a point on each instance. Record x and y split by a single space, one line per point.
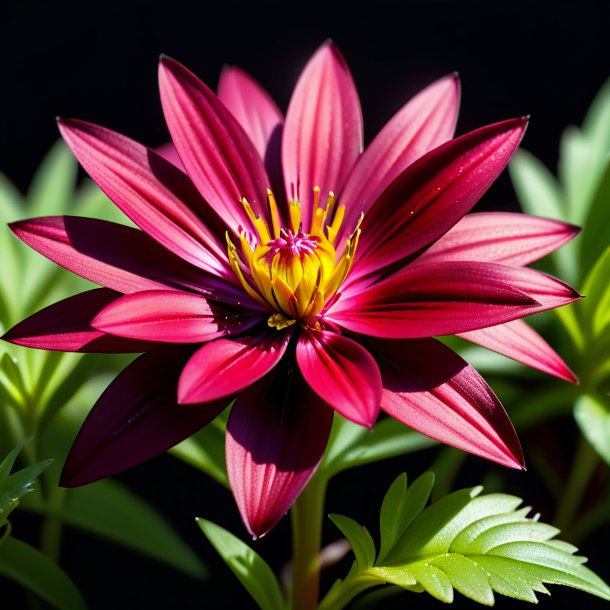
52 525
306 515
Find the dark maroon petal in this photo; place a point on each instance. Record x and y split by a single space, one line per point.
500 237
446 298
276 435
432 390
425 122
170 316
157 196
135 419
66 327
217 153
226 366
433 194
342 373
522 343
323 129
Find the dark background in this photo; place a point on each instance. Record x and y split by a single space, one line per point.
97 61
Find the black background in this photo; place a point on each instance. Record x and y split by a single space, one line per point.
97 61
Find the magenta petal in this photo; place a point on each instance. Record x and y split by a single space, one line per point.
433 194
276 435
169 316
342 373
66 327
226 366
169 153
446 298
215 150
425 122
500 237
432 390
522 343
135 419
251 105
323 129
158 197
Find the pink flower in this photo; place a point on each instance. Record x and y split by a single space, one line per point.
289 269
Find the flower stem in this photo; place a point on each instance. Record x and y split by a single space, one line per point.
307 514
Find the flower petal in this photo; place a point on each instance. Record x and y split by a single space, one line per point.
432 390
66 327
323 130
116 256
276 435
446 298
135 419
425 122
500 237
342 373
158 197
226 366
522 343
432 194
251 105
215 150
169 316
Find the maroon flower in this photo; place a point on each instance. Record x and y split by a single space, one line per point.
320 295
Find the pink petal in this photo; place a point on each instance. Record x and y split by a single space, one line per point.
226 366
425 122
251 105
169 316
522 343
66 327
446 298
433 194
158 197
342 373
432 390
500 237
169 153
116 256
276 435
323 130
135 419
215 150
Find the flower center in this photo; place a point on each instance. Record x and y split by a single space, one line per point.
288 270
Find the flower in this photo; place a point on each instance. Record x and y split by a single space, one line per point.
278 264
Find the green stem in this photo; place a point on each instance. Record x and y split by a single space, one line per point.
307 514
343 593
583 467
52 525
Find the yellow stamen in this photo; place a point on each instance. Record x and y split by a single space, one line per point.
295 215
274 213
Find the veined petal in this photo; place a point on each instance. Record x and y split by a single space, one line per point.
432 390
425 122
276 435
323 130
342 373
170 316
115 256
135 419
215 150
500 237
433 194
158 197
445 298
251 105
66 327
226 366
522 343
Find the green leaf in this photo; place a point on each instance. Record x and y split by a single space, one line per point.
30 568
596 125
251 570
595 307
593 418
359 538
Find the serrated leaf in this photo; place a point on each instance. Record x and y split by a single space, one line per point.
359 538
30 568
466 576
433 580
251 570
593 418
395 576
